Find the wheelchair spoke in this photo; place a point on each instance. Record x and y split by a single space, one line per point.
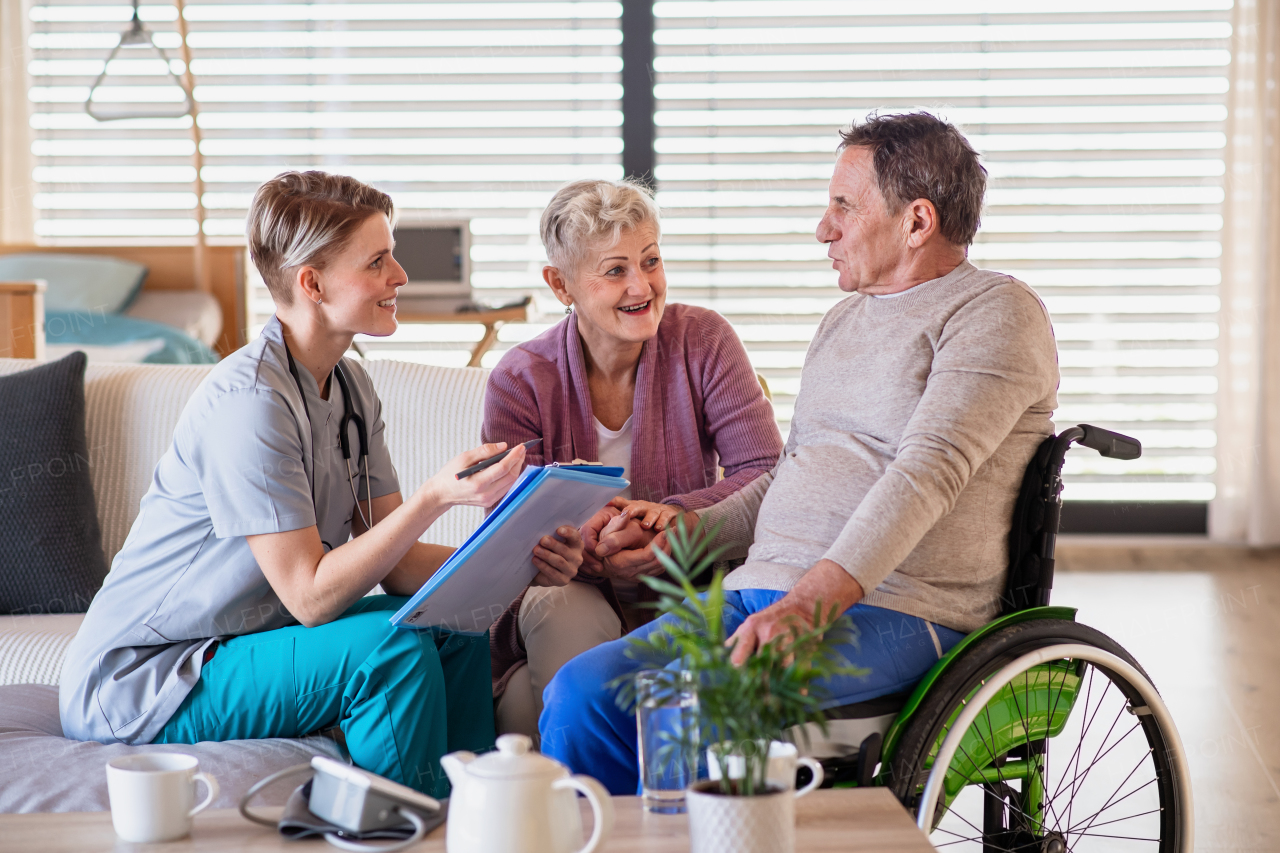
960 839
1000 776
1073 762
1124 837
1108 803
991 748
1098 755
1049 800
1141 787
963 818
1126 817
1079 777
1084 729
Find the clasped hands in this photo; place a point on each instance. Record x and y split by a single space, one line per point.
619 541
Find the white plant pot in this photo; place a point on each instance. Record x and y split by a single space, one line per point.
722 823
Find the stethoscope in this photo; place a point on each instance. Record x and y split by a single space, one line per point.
349 417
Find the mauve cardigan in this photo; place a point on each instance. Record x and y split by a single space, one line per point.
698 407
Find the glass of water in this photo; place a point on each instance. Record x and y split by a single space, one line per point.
667 725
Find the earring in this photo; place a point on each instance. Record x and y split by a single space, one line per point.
568 309
319 301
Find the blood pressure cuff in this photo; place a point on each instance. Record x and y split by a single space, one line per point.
297 821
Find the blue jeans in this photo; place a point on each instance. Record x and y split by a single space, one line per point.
402 697
582 726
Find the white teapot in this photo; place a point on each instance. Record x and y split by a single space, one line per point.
517 801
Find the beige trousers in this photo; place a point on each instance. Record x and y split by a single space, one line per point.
556 624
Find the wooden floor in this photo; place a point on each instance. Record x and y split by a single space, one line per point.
1204 622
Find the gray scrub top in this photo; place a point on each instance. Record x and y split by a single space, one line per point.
241 463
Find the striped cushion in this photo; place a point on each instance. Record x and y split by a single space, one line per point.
432 415
32 647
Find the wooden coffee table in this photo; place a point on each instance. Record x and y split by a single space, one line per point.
848 821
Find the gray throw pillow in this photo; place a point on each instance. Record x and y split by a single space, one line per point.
51 558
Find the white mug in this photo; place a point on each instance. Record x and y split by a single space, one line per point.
783 758
151 795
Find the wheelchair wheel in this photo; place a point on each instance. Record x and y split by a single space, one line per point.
1067 747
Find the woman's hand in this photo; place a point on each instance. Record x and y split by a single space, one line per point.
484 488
591 565
557 558
652 516
628 549
629 552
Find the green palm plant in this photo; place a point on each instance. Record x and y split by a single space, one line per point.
742 708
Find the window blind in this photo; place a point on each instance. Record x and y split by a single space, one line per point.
460 110
1101 125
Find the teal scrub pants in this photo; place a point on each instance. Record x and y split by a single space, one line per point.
402 698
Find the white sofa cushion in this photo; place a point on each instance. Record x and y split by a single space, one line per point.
432 414
32 648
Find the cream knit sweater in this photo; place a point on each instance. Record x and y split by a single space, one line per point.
916 419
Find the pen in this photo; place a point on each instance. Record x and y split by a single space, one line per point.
494 460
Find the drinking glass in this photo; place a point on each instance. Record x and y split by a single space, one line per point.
667 726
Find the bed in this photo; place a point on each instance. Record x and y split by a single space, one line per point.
95 304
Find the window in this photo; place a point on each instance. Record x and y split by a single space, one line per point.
1101 125
460 110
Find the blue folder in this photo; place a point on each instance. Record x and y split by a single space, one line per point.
481 579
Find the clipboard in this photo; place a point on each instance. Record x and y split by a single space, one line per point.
481 579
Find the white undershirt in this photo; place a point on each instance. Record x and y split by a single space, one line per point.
615 449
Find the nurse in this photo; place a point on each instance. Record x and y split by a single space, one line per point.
237 607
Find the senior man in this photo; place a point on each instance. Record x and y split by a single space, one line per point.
923 397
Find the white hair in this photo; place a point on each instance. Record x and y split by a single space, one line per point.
590 215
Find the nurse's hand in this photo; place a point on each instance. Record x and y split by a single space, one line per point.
557 558
484 488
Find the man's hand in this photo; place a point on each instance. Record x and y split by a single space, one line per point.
827 582
557 558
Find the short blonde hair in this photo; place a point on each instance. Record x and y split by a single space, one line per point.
299 218
584 215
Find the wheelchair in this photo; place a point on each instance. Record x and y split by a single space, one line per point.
1034 734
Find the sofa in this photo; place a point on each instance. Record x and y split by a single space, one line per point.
432 414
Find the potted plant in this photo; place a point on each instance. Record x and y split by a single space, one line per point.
742 709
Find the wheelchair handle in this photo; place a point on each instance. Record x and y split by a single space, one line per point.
1109 443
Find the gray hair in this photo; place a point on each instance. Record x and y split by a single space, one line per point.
299 218
917 155
584 215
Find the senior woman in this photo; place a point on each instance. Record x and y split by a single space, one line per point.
665 392
237 607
